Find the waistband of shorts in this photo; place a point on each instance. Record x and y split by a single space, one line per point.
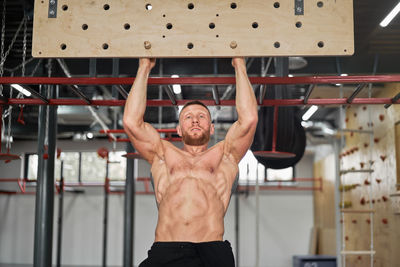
178 244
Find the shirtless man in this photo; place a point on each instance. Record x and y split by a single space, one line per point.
192 185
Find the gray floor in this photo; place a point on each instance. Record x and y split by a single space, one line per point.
30 265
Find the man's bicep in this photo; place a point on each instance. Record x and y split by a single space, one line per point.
145 139
238 140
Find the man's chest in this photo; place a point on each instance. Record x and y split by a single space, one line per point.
201 166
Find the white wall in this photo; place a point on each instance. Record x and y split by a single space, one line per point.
286 219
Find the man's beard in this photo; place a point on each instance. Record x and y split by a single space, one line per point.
198 141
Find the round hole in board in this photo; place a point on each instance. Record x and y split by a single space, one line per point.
321 44
320 4
217 35
40 52
163 15
277 5
106 7
254 25
64 7
190 6
233 5
105 46
63 46
345 50
217 15
149 7
127 26
211 25
299 24
169 26
190 45
277 45
42 2
163 36
85 27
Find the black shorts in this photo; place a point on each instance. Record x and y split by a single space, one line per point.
188 254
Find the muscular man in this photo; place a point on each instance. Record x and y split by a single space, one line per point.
192 185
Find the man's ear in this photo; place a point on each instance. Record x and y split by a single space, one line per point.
212 128
178 129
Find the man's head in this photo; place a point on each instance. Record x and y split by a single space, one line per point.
195 125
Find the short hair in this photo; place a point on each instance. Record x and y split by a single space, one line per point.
195 102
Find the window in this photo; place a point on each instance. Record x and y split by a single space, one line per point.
250 169
92 167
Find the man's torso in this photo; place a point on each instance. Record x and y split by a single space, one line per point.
192 192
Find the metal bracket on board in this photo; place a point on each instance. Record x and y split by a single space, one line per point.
52 9
298 7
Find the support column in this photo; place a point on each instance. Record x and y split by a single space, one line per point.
129 211
237 196
44 206
60 216
105 216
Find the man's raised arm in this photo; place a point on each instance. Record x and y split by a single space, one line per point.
240 135
143 136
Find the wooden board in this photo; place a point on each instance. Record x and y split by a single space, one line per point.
207 28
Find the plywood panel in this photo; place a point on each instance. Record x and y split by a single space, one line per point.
207 28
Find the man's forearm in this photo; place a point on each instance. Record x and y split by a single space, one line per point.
135 106
246 103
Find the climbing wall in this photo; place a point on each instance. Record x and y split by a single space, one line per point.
177 28
356 155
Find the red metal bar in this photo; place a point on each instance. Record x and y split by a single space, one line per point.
123 131
6 180
166 103
171 139
277 188
204 80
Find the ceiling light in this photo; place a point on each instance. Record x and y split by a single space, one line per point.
21 89
176 87
89 135
390 16
309 112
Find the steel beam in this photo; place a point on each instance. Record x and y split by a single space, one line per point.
308 93
356 79
394 100
356 92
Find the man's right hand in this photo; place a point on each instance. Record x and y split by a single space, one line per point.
147 63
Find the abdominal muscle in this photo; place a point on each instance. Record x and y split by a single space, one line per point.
190 210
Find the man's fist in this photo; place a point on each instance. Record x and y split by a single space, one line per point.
147 63
238 61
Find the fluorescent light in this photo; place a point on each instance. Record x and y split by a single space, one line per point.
89 135
176 87
21 89
309 112
390 16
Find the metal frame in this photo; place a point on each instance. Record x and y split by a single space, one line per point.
312 80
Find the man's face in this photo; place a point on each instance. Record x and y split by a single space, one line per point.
195 125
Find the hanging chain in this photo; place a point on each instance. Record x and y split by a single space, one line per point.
11 44
3 33
8 139
49 69
20 95
24 48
